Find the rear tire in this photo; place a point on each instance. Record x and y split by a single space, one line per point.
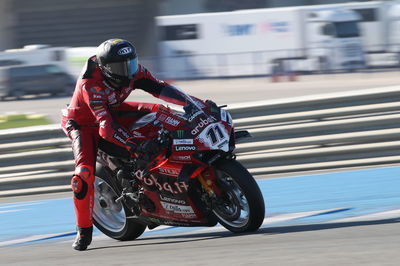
241 207
108 216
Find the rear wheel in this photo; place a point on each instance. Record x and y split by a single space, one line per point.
240 207
109 216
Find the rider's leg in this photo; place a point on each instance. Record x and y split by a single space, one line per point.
84 144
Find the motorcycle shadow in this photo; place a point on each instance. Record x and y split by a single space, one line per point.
176 239
324 226
267 230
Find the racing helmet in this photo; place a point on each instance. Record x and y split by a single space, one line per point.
117 60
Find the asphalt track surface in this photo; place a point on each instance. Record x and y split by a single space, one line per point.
341 218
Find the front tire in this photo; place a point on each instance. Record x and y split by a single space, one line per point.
240 208
108 216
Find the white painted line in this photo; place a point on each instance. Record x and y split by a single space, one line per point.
392 214
16 205
30 238
6 211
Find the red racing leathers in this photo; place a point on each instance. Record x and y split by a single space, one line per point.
89 117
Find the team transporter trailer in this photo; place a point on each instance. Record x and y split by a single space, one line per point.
260 41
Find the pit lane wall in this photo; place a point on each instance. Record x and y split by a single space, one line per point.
320 132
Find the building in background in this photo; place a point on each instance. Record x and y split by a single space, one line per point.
179 7
87 23
77 23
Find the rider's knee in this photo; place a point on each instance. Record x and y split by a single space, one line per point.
81 181
79 187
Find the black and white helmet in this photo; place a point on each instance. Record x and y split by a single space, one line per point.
117 60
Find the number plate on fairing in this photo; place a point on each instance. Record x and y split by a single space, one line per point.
215 136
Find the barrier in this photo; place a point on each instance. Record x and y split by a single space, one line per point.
331 131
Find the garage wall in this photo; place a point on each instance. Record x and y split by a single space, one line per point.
77 23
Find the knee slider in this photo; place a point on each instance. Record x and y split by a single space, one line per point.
79 187
85 172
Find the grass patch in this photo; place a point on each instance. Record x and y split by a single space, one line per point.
22 120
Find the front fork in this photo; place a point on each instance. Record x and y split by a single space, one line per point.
208 181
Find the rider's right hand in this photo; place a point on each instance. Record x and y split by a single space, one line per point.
188 109
149 147
132 145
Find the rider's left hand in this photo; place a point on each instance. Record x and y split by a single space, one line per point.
212 105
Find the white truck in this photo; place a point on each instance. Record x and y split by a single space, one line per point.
394 28
380 30
70 59
34 54
260 41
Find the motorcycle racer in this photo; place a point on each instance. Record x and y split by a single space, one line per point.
105 82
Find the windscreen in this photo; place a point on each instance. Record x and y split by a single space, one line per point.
347 29
172 94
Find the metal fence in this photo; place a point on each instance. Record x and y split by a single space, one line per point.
194 66
332 131
261 63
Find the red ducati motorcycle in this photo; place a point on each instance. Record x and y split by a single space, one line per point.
194 179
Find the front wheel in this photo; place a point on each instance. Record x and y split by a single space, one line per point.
110 216
240 207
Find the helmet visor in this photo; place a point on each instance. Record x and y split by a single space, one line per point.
127 68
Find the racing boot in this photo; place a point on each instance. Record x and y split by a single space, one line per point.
83 238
